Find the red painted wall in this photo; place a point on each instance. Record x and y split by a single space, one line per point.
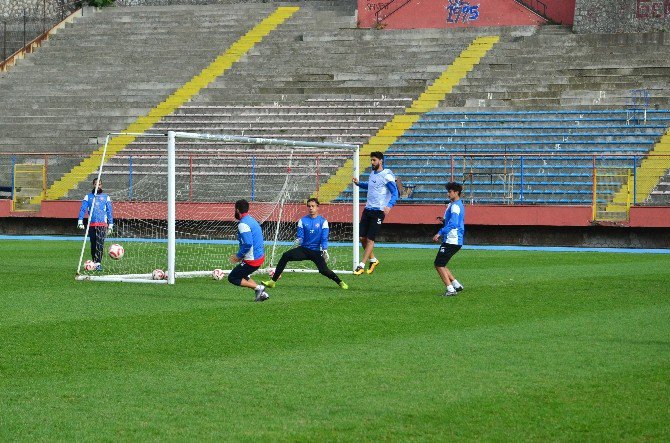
649 217
561 11
487 215
446 14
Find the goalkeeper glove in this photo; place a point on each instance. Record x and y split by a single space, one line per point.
110 228
80 224
325 255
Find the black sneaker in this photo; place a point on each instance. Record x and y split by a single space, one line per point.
459 289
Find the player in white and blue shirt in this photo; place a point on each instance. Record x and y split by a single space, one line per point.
98 206
251 252
312 237
382 196
452 237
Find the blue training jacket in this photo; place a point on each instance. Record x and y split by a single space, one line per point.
313 232
250 236
454 223
102 209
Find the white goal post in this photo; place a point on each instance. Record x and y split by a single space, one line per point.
173 200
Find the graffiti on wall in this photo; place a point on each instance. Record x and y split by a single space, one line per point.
652 8
461 11
375 6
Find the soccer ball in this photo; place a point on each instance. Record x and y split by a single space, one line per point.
218 274
158 274
90 265
116 251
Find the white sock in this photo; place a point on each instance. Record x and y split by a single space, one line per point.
372 260
361 264
456 284
450 289
257 286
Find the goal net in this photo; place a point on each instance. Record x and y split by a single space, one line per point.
173 202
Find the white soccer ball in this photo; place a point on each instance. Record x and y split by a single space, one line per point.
158 274
90 265
218 274
116 251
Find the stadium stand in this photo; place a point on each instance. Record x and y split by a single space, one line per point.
317 77
548 154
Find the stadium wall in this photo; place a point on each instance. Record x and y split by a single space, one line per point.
446 14
649 227
559 11
621 16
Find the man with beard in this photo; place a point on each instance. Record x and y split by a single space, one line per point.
382 195
251 253
98 205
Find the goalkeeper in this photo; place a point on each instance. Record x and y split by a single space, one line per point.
98 205
313 240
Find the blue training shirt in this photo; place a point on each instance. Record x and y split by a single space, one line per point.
102 209
250 236
313 232
454 223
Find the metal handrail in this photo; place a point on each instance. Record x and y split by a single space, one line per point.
534 5
31 40
386 6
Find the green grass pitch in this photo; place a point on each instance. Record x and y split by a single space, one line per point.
540 346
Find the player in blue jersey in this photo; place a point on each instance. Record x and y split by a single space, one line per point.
98 206
452 237
382 195
251 254
313 240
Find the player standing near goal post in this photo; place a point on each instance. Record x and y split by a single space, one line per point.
251 254
382 195
102 220
313 240
452 238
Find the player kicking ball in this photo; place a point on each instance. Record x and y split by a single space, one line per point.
251 254
452 234
313 240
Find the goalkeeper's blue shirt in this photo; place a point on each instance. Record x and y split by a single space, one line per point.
454 223
250 236
313 232
102 209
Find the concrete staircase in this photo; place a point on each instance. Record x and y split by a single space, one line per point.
660 195
110 68
316 77
554 69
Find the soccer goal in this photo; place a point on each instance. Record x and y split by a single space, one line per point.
173 199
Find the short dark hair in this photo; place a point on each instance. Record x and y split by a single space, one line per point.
453 186
95 180
242 206
313 199
377 154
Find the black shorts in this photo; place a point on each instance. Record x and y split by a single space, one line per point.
371 222
241 272
445 253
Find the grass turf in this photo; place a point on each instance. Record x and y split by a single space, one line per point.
539 346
